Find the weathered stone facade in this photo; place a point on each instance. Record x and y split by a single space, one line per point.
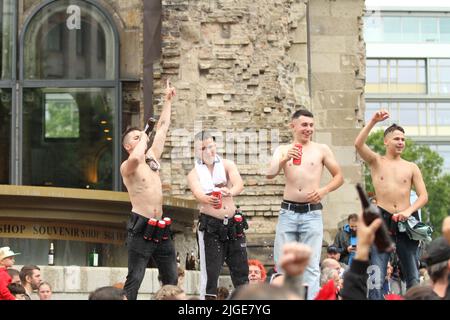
248 65
241 67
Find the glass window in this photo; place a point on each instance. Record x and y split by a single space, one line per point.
440 76
429 30
410 29
75 144
62 116
392 28
5 135
443 114
396 76
7 35
444 29
408 114
75 45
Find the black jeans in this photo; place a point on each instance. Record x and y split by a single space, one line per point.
214 251
139 253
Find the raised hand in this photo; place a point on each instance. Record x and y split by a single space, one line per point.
380 115
170 91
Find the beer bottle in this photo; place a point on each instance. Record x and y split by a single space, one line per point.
383 240
51 255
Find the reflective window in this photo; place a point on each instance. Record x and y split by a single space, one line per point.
69 41
75 146
406 29
396 76
6 37
439 76
420 118
5 135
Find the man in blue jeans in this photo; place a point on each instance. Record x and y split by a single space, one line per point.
300 218
393 178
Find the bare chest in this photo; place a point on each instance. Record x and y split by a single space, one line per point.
394 174
311 164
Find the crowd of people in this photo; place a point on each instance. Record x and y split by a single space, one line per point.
355 267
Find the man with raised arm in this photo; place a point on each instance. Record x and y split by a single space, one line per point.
140 173
393 178
300 216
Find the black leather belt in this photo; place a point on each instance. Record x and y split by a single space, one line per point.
301 208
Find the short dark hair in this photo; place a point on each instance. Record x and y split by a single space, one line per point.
203 135
16 288
127 131
392 128
107 293
302 112
27 271
352 216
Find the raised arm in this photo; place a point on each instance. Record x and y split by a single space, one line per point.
360 142
163 123
137 156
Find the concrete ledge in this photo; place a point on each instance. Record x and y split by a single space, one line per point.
75 282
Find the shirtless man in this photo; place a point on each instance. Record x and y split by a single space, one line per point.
300 216
140 173
216 240
393 178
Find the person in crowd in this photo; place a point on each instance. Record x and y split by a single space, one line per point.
6 261
169 292
45 291
256 271
437 258
30 276
17 290
108 293
346 240
14 274
222 293
300 217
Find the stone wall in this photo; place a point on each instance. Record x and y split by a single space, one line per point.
242 68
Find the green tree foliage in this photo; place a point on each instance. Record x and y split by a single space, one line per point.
430 164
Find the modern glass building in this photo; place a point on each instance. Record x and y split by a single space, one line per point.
408 68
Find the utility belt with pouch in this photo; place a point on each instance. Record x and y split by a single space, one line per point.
151 229
226 229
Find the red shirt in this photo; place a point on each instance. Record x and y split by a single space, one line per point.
5 279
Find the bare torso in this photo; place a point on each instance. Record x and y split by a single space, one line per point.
306 177
228 207
392 180
145 191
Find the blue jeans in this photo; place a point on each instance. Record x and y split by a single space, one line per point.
407 254
306 228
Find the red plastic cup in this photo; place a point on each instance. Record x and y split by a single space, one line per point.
298 162
218 194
